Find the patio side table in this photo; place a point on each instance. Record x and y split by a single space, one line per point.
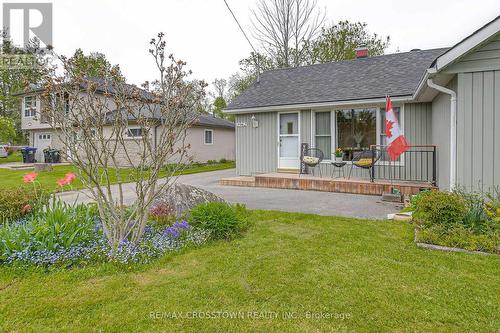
338 166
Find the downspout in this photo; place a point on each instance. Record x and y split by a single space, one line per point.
453 129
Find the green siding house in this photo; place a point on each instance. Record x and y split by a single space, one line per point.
447 100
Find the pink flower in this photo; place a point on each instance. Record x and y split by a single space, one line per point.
30 177
70 177
26 208
62 181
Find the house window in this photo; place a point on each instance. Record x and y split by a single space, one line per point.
29 106
323 135
356 130
397 111
43 136
134 132
209 137
66 103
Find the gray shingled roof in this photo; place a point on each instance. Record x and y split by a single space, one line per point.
214 122
153 112
394 74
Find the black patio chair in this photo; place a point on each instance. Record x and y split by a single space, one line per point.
312 158
365 159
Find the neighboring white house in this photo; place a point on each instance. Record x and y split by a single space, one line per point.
210 138
446 99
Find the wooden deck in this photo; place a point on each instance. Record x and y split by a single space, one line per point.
325 184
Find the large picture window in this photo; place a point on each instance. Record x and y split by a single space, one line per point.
356 130
323 135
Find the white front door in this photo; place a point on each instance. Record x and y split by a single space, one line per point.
289 143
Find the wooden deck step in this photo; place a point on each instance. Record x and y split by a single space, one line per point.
238 181
288 170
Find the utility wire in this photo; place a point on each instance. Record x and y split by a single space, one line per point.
248 40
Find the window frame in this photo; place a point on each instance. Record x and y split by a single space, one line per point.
378 129
205 136
32 110
326 159
134 137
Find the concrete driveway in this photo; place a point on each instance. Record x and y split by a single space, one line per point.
322 203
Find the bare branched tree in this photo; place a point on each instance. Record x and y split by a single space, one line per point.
219 86
285 27
106 124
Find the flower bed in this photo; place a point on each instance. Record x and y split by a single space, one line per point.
65 235
460 219
42 232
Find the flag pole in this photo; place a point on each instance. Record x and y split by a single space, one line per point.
390 160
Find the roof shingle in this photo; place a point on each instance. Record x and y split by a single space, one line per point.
394 74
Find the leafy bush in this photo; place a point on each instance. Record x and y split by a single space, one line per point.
14 203
221 219
439 208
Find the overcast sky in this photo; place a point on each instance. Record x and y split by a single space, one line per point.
203 33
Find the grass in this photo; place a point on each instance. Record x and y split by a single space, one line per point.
14 157
13 178
368 272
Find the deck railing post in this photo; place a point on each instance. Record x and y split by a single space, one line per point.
372 178
434 166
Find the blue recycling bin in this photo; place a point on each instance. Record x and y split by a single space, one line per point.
28 154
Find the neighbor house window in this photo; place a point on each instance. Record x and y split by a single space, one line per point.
134 132
323 135
356 130
66 103
29 106
209 137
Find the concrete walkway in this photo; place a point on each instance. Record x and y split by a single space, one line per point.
322 203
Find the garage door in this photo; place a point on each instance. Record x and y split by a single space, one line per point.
42 141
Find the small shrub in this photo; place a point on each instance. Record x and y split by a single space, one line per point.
223 161
211 162
439 208
221 219
14 203
162 215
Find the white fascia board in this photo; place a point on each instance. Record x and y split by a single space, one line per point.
468 44
372 101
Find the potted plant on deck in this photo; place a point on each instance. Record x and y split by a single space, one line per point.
339 155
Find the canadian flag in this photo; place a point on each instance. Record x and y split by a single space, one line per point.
396 142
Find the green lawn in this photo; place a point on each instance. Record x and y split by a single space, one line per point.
15 157
12 178
370 272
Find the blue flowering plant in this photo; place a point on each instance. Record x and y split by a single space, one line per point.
63 235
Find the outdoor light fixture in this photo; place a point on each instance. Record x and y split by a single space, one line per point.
255 122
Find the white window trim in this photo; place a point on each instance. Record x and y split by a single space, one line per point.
333 131
133 137
205 136
326 159
37 103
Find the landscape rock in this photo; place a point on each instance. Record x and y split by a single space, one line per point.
181 198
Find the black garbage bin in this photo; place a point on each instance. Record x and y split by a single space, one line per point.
55 156
47 156
52 155
28 154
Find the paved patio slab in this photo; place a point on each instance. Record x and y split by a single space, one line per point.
322 203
